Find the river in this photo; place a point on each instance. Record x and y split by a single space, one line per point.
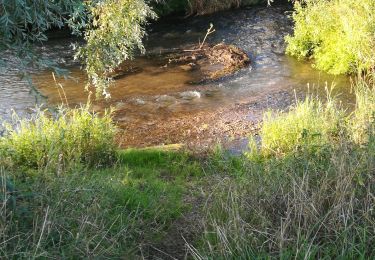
156 104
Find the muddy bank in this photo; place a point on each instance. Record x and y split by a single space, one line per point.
204 129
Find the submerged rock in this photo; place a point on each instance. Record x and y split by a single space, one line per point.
139 101
165 99
190 95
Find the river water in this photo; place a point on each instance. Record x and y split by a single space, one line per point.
155 99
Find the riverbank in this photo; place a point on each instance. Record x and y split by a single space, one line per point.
164 105
300 184
306 190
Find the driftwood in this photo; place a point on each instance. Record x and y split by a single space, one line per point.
229 58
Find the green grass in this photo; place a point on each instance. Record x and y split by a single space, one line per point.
66 191
297 195
95 213
309 122
305 190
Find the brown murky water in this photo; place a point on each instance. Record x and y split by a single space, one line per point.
156 104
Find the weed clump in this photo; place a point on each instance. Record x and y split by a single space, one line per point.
56 143
309 122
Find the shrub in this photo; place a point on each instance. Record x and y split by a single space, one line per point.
72 137
114 33
201 7
167 7
337 34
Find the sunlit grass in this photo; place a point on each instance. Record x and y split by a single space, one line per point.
57 142
364 114
305 192
311 122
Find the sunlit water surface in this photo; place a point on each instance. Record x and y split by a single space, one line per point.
154 90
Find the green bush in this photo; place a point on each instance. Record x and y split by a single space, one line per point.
167 7
339 35
72 137
114 33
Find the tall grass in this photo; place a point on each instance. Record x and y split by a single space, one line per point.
306 192
67 217
309 122
364 114
55 143
109 213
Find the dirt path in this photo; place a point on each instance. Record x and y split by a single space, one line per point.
174 244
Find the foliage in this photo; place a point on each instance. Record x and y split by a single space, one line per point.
112 30
112 36
337 34
24 23
167 7
200 7
303 204
56 144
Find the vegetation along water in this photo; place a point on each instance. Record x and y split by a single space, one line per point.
187 129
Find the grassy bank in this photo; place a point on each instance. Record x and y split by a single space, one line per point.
305 191
113 212
66 191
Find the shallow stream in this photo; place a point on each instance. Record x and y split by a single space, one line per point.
160 104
